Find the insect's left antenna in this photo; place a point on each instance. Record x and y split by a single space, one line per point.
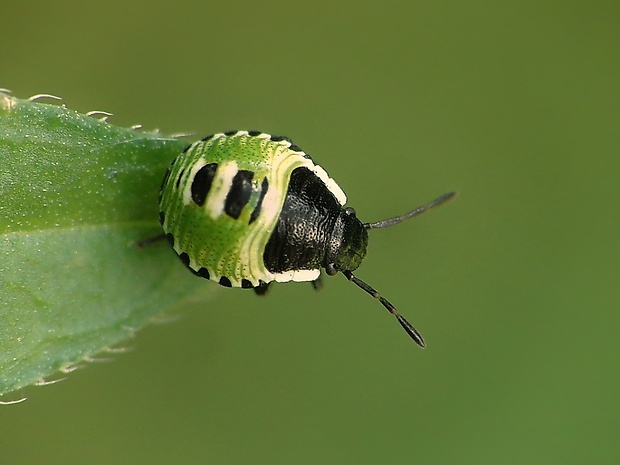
408 327
415 212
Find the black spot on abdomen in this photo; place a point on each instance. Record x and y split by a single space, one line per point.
203 273
239 193
185 259
201 184
264 187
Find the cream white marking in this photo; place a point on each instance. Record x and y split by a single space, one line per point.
330 184
270 207
192 263
296 275
220 187
306 275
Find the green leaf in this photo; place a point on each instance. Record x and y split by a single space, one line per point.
76 196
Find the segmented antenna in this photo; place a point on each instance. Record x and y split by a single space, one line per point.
408 327
415 212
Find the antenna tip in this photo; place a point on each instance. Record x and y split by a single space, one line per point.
411 331
444 198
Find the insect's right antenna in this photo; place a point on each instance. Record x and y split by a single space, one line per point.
408 327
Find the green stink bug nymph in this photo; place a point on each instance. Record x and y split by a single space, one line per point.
245 209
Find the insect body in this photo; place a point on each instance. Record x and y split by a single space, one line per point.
245 209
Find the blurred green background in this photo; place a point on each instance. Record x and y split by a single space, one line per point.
514 285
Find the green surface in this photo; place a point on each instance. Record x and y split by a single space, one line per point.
513 285
78 195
